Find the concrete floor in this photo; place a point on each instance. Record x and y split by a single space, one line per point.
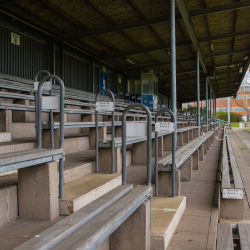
197 227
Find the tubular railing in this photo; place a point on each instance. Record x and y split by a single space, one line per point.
39 134
149 141
173 152
97 133
36 105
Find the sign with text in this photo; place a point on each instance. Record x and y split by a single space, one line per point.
46 86
164 127
15 39
51 102
104 106
232 193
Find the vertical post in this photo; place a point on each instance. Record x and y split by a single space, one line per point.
210 108
97 133
214 113
149 141
198 92
173 64
207 103
228 111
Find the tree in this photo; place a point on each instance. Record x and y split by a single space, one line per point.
244 101
246 81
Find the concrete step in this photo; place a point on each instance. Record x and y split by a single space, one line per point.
165 217
72 143
81 192
51 237
77 165
5 136
8 202
93 234
13 146
77 171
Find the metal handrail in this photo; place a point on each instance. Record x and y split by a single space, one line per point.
61 141
173 152
97 133
36 100
149 141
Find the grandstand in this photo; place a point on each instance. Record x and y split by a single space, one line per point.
95 149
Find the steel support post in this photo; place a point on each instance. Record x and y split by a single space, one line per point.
228 110
210 109
207 103
198 92
214 113
173 65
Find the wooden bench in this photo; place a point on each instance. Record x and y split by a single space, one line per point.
37 181
90 226
186 159
139 146
233 236
232 189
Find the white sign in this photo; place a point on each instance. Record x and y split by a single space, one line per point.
46 86
51 102
188 113
164 127
104 106
15 39
232 193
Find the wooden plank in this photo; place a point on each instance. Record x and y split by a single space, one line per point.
16 153
244 234
184 152
225 183
225 237
49 238
104 224
235 170
27 156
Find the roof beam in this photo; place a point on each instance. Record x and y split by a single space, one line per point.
227 52
8 2
225 64
190 29
164 46
165 18
156 64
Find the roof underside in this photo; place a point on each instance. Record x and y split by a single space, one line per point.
133 36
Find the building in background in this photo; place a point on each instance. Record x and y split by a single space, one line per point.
238 103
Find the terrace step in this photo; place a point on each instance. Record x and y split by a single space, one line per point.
77 165
5 136
81 192
51 237
8 202
93 234
165 217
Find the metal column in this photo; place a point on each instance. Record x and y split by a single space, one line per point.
173 63
198 92
207 103
214 113
210 108
228 110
